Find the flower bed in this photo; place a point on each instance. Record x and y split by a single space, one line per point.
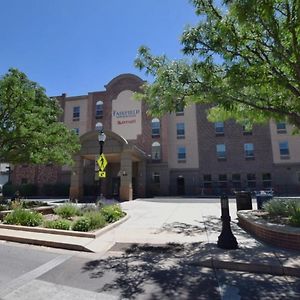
66 217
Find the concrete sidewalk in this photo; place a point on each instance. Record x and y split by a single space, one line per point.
192 222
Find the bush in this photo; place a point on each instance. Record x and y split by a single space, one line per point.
9 190
97 220
281 207
67 210
28 190
112 213
58 224
295 217
82 224
24 217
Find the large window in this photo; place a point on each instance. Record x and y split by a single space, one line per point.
181 154
99 109
180 130
155 126
76 113
221 151
219 128
284 149
249 150
156 151
207 181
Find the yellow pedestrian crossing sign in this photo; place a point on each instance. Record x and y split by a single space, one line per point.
102 174
102 162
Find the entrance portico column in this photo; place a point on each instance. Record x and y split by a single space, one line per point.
76 188
126 176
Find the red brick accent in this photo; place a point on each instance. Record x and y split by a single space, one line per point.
283 238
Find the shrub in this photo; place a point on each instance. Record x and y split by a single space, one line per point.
112 213
281 207
3 207
295 217
24 217
9 190
82 224
27 190
67 210
97 220
58 224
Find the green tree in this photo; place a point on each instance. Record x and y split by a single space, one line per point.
29 128
243 58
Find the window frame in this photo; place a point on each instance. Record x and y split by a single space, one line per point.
76 114
221 157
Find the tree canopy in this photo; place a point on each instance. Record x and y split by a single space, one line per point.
243 57
29 128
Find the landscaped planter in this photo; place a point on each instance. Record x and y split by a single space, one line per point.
284 236
44 210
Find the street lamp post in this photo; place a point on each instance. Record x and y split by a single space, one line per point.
101 140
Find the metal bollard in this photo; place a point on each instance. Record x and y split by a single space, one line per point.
226 239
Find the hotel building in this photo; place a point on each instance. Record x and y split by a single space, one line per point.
181 153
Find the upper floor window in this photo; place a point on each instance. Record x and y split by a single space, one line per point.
221 151
284 149
281 127
156 151
155 126
99 109
219 128
76 130
76 113
179 109
180 130
181 154
249 150
247 130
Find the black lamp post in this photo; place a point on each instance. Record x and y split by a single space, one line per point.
226 239
101 140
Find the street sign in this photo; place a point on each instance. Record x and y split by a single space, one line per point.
102 174
102 162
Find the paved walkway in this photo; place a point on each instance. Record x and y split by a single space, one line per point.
188 221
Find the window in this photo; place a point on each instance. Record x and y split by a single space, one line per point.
180 130
281 127
222 180
249 150
251 180
156 151
267 180
76 113
207 181
246 130
284 149
221 151
76 130
155 125
99 109
179 109
236 181
156 177
181 154
219 128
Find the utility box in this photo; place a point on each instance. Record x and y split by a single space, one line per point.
243 200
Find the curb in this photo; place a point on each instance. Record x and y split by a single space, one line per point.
251 268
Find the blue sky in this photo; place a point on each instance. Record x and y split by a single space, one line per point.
78 46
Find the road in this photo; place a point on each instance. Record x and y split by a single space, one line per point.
129 271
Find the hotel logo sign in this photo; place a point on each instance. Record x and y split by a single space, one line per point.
126 116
